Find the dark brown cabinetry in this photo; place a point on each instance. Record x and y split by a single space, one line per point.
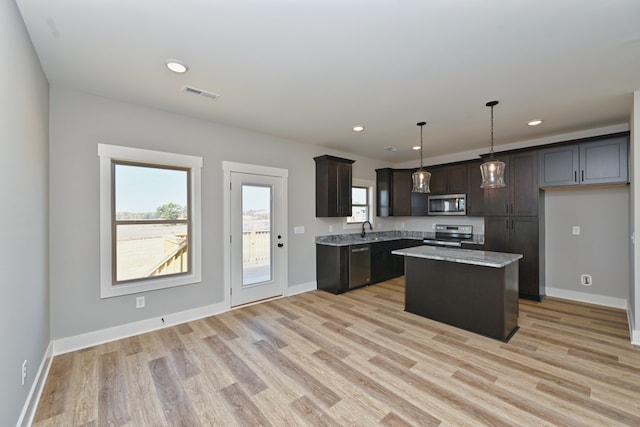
520 196
475 194
601 161
394 196
333 186
512 223
448 179
519 235
384 265
333 263
332 268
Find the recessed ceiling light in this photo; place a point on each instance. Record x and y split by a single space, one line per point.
358 128
176 66
535 122
416 147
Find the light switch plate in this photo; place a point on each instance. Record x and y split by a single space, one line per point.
575 230
298 229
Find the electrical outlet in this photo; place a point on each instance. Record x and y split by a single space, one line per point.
575 230
24 372
140 302
586 280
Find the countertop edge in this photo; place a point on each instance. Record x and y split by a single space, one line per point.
463 256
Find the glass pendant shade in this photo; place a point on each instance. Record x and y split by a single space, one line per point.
421 179
492 170
492 174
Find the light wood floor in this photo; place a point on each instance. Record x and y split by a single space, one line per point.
354 359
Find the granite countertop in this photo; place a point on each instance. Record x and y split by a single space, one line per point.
382 236
463 256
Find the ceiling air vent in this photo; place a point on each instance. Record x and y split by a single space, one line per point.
391 148
200 92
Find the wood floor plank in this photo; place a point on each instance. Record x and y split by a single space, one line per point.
182 360
314 337
83 375
219 327
245 410
54 396
377 390
236 365
177 408
354 359
312 413
144 406
113 405
293 370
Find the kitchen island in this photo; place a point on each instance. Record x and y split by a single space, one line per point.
469 289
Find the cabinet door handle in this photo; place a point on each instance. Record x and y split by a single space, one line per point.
575 176
582 175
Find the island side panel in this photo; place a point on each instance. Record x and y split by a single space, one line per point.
480 299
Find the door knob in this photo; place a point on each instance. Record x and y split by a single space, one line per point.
280 245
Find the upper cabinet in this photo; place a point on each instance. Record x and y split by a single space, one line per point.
448 179
520 196
475 194
333 186
603 161
394 196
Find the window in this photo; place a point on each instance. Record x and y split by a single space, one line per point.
149 220
359 205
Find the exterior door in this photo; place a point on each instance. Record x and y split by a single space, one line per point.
258 252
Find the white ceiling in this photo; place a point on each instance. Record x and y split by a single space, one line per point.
308 70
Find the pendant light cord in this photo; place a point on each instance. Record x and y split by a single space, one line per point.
491 104
421 147
421 124
492 130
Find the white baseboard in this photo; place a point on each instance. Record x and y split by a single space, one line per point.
634 334
77 342
301 288
31 404
588 298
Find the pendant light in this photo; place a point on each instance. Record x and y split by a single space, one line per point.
421 177
492 170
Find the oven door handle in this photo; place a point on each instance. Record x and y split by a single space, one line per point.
442 243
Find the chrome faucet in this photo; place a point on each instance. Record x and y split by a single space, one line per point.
370 228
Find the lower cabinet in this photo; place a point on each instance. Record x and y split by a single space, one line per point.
519 235
333 269
384 265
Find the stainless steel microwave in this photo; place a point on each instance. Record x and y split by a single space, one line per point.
447 204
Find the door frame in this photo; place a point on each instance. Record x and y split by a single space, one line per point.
227 169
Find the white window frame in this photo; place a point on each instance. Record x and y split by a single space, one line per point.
108 153
370 185
368 205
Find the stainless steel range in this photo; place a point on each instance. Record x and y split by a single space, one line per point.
450 235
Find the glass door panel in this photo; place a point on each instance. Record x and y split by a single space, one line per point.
256 234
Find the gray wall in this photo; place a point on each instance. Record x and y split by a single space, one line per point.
24 291
78 122
634 219
601 249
